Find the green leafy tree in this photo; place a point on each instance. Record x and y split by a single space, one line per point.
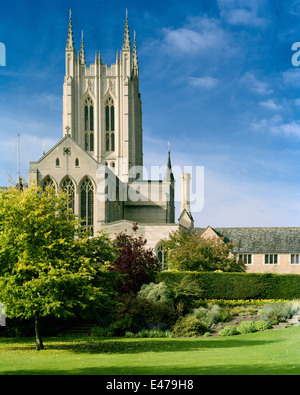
46 267
189 251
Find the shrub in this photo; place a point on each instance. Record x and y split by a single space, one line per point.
242 310
129 334
156 293
144 313
246 327
229 330
100 332
189 326
211 315
262 325
186 292
118 328
277 312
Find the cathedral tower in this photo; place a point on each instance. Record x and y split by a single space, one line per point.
102 109
99 158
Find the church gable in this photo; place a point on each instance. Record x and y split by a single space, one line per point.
209 233
66 157
186 220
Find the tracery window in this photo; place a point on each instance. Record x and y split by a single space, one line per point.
48 183
89 124
69 188
109 125
87 204
161 255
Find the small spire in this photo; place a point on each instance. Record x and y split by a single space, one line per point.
82 51
126 42
135 57
70 40
169 173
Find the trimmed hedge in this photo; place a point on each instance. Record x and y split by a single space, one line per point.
239 285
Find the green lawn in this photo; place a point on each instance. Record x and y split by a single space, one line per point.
273 352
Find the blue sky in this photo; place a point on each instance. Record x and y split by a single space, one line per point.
216 80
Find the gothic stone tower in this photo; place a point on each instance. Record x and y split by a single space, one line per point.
102 108
102 143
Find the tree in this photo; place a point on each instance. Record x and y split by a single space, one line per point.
43 268
189 251
135 262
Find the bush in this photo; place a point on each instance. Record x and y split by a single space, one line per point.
229 330
210 315
246 327
157 293
186 292
262 325
189 326
242 310
144 313
277 312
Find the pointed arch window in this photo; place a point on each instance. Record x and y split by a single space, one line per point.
87 204
48 183
89 124
110 125
160 252
69 188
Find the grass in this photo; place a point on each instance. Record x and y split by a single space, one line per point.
272 352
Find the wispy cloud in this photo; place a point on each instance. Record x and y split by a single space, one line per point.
242 13
199 35
203 82
270 105
278 126
291 77
255 85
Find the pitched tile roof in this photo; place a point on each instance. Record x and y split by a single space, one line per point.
260 239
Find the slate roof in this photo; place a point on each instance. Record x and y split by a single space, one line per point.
260 239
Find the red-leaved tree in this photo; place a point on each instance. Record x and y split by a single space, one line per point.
136 263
